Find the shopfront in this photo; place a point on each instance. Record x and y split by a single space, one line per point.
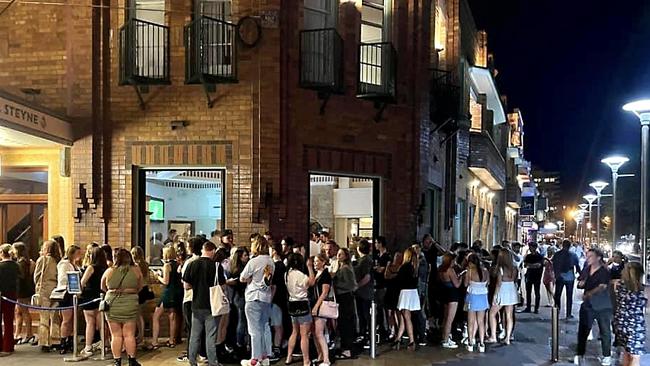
35 185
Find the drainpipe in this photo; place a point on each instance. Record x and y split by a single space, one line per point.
106 117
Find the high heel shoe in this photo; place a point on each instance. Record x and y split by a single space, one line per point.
396 344
411 346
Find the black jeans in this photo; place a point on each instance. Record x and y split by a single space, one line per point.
604 319
187 317
530 283
345 321
557 297
363 312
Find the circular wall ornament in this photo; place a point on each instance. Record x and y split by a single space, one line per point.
249 31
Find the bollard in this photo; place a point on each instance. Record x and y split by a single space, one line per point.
373 330
75 326
555 334
102 335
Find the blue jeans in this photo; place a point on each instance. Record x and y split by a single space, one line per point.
258 314
203 319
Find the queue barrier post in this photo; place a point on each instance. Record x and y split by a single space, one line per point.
373 330
555 334
75 326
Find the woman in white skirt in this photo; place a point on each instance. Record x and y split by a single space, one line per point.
505 295
407 279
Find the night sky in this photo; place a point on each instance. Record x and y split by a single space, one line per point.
570 66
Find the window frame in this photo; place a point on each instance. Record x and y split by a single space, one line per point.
331 12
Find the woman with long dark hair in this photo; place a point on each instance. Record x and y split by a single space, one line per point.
345 284
91 284
238 260
392 292
24 293
451 295
629 320
505 295
408 301
476 281
322 292
145 293
298 285
122 282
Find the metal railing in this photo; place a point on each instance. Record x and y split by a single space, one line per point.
321 60
144 53
445 96
377 71
210 51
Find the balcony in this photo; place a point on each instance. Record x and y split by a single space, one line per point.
144 53
445 96
486 162
210 51
321 60
377 72
513 194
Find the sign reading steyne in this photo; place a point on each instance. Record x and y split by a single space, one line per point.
29 120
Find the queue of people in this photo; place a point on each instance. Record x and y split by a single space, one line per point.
281 303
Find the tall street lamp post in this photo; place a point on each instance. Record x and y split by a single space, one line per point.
583 208
598 186
614 163
641 108
590 198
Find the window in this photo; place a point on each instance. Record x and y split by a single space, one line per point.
373 30
219 9
217 44
431 219
150 50
320 14
440 32
460 221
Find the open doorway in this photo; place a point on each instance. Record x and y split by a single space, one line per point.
189 201
347 207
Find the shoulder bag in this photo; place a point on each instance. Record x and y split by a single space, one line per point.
329 309
105 305
219 303
296 308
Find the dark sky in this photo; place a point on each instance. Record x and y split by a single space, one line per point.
570 65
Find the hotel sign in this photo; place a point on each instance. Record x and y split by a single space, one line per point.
34 121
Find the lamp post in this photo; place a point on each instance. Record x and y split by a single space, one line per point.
614 163
583 208
641 108
590 198
598 186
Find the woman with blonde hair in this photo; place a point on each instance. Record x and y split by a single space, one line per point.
408 301
629 321
45 281
73 256
24 294
258 273
171 299
505 295
91 284
238 260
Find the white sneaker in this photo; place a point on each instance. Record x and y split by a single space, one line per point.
481 348
86 352
577 360
606 361
502 335
449 344
265 362
469 348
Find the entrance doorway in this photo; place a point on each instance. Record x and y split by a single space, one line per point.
345 206
189 201
23 207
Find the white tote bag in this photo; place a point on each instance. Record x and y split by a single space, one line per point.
219 303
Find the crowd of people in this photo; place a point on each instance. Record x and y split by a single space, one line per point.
282 302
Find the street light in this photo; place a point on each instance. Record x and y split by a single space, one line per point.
614 163
641 108
591 198
583 208
598 186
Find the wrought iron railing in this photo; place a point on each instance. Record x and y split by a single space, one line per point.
210 51
445 96
144 53
377 71
321 60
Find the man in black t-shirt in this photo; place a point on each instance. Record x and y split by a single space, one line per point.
534 264
200 275
382 259
280 296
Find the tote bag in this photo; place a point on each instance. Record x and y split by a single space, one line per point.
219 303
329 309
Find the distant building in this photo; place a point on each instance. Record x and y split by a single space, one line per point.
549 186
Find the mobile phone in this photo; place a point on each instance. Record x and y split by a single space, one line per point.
462 273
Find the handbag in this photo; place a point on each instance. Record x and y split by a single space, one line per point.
329 309
298 308
58 294
219 303
145 295
105 305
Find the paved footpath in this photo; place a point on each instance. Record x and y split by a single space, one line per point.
531 347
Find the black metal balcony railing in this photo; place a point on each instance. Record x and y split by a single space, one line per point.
377 71
210 51
144 53
445 96
486 161
321 60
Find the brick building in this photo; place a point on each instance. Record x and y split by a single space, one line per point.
204 114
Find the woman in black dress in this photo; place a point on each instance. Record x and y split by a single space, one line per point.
91 284
392 292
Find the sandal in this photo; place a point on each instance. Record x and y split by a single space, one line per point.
28 340
18 341
289 360
153 347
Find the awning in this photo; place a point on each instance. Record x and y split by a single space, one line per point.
19 115
483 83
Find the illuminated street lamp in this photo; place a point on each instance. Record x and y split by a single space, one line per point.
598 186
590 198
583 207
641 108
614 163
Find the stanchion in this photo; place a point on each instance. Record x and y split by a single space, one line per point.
555 334
373 330
102 334
75 326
